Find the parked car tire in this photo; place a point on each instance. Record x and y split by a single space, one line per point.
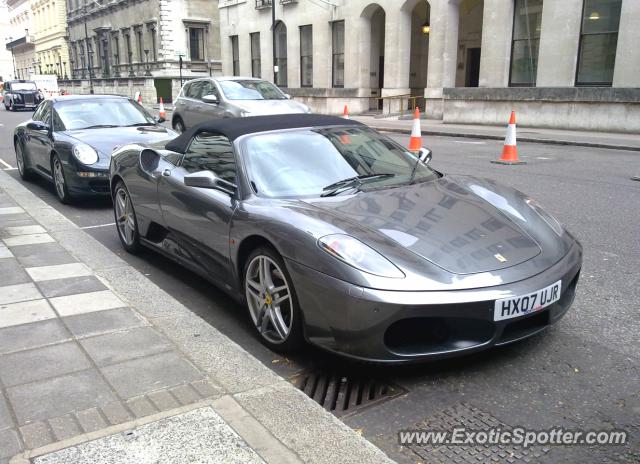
125 217
178 125
59 181
23 170
11 107
271 301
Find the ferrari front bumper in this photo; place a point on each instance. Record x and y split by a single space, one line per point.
401 326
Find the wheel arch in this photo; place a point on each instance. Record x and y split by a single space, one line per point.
114 181
246 246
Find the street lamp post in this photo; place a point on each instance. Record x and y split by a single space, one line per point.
64 66
273 41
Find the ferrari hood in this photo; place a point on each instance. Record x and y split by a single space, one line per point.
442 221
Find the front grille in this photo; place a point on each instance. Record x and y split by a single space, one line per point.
29 99
99 186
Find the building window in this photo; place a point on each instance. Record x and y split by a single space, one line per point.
196 43
598 42
527 24
140 45
281 54
235 55
306 56
127 38
256 64
337 65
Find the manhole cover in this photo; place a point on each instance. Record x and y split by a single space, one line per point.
471 418
344 395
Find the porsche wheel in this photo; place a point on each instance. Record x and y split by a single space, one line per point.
126 221
23 170
178 125
59 181
271 301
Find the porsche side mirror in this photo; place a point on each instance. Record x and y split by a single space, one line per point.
38 126
425 155
207 179
210 99
287 96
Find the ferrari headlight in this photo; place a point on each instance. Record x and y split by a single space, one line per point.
356 254
85 153
549 219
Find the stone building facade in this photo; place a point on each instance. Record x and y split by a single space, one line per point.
558 63
50 28
19 38
123 46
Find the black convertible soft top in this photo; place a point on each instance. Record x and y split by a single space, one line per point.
233 128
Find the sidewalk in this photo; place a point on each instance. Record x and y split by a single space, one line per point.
535 135
98 364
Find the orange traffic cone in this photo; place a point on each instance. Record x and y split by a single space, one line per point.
345 112
161 112
415 142
510 150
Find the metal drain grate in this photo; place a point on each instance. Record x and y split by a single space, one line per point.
343 395
471 418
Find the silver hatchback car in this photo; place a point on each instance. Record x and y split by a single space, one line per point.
230 97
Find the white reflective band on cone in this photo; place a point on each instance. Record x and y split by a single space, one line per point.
415 130
510 139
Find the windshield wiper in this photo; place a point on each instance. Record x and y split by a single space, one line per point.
140 124
352 182
100 126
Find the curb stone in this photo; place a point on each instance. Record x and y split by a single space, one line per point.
224 361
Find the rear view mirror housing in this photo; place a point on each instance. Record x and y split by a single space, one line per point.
425 155
210 99
208 180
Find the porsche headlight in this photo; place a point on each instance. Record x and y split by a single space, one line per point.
356 254
85 153
549 219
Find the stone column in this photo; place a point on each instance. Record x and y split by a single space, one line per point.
627 68
559 42
397 49
497 32
443 54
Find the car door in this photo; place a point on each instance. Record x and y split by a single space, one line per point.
207 111
199 218
191 104
39 142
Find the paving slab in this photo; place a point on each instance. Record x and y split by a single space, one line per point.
40 363
5 252
5 416
9 443
25 230
11 210
200 436
70 286
121 346
25 312
19 292
36 434
110 320
33 335
144 375
31 239
58 271
86 302
58 396
11 272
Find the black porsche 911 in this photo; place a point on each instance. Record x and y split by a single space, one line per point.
69 140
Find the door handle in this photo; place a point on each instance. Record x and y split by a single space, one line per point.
166 172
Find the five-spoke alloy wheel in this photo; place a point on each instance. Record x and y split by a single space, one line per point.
25 173
59 180
125 216
271 300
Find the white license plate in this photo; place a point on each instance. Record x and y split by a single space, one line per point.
508 308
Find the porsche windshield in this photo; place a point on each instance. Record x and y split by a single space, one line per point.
101 112
318 162
251 90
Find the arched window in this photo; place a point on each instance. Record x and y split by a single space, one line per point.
281 54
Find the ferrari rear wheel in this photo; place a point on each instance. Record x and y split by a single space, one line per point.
178 125
125 216
272 301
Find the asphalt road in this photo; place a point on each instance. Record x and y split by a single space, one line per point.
584 373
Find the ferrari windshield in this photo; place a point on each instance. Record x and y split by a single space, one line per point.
101 112
251 90
318 162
